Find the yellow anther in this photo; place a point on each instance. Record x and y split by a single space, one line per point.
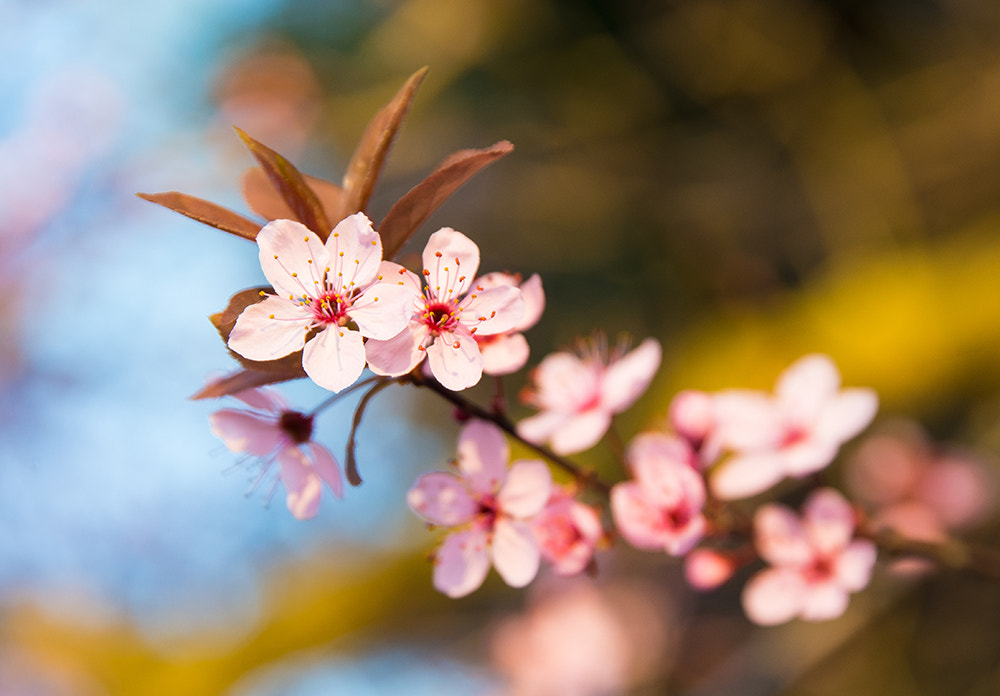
357 260
270 316
379 277
474 296
374 243
340 254
295 275
306 239
275 256
480 288
438 254
327 269
426 272
309 261
291 297
262 293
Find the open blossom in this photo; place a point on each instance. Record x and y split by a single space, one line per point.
815 561
661 508
567 532
322 291
507 352
447 315
578 395
490 507
272 432
796 432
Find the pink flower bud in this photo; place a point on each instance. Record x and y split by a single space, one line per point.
692 416
706 569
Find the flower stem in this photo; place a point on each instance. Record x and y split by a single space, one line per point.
351 389
583 478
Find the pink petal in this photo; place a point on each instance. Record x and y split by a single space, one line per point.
334 358
745 475
671 484
692 415
301 482
823 602
534 302
284 250
780 537
383 310
539 428
706 569
808 456
442 499
653 448
854 566
580 432
493 310
961 491
774 596
504 354
461 563
527 488
515 552
682 538
626 379
483 454
354 252
262 399
270 329
394 274
806 387
398 355
565 383
638 519
846 415
242 431
452 259
327 468
746 420
828 520
456 368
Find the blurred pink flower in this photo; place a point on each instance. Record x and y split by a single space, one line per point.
706 569
567 532
490 505
447 315
662 507
692 416
795 433
816 562
578 395
322 287
507 351
272 432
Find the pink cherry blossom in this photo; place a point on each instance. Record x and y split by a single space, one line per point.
706 569
272 432
322 291
490 506
446 317
815 561
661 508
567 532
507 352
796 432
579 394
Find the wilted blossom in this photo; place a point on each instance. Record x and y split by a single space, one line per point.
567 532
796 432
815 561
321 288
272 432
445 318
578 394
490 506
507 351
661 508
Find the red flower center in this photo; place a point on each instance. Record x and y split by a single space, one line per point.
329 308
440 316
297 426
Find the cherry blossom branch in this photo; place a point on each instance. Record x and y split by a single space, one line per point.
951 554
584 478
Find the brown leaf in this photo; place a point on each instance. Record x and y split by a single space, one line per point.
288 367
264 200
205 212
290 183
235 383
410 211
369 156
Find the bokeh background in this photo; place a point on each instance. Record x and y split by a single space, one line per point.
746 180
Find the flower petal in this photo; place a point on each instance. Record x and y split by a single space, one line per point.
262 399
301 482
334 358
483 454
806 387
398 355
288 247
327 468
854 566
383 310
580 432
564 383
742 476
455 361
746 420
780 537
637 518
452 260
527 488
828 520
242 431
503 354
461 563
846 415
774 596
626 379
493 310
354 250
270 329
823 602
515 552
442 499
539 428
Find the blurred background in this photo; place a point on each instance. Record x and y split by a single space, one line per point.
746 180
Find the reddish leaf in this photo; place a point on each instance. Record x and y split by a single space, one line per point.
369 156
264 200
288 367
410 211
235 383
205 212
292 186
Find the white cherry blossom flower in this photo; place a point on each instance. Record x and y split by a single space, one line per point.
323 292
